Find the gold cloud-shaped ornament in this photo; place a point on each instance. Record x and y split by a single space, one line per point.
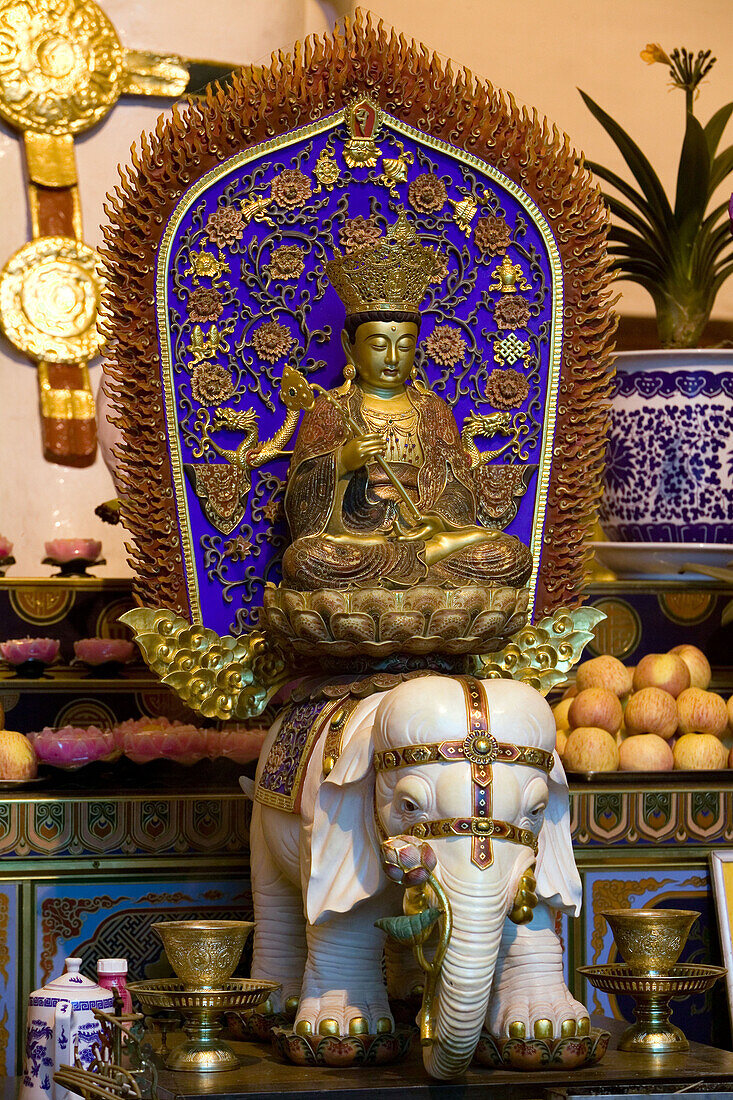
225 678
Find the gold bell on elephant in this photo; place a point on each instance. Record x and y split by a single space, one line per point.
525 898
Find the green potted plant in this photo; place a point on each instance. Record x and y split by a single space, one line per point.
680 252
669 458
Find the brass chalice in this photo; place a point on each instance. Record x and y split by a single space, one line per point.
204 954
651 941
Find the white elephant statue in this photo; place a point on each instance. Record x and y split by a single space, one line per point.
405 762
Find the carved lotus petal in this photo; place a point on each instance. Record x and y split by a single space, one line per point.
472 599
309 626
401 626
373 601
488 624
425 598
277 620
328 602
447 623
353 627
289 600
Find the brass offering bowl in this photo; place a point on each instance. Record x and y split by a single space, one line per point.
204 1052
653 1033
650 940
203 953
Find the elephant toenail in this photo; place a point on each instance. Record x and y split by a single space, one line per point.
329 1027
517 1030
543 1029
584 1026
567 1028
359 1026
291 1006
303 1027
384 1025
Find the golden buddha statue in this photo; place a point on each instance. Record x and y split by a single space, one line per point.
381 491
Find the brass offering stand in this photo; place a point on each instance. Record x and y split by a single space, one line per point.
204 955
651 941
204 1051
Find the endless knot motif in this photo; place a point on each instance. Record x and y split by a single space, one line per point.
510 349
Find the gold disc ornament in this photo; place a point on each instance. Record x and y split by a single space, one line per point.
50 291
61 65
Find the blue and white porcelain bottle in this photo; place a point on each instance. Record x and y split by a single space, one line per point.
62 1030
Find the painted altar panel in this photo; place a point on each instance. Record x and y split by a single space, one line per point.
9 897
655 815
620 885
242 292
115 920
154 826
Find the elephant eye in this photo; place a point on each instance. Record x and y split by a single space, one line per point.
408 806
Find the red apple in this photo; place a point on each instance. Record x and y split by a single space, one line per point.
590 749
663 670
645 752
17 756
651 710
604 672
697 663
596 707
701 712
699 752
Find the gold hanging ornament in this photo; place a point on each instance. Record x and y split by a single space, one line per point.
62 69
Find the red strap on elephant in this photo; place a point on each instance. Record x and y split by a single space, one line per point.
481 749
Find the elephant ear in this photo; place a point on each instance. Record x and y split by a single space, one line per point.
558 881
341 864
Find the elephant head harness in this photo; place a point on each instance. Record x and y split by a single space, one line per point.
481 749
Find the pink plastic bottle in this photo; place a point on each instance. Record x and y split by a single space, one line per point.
112 974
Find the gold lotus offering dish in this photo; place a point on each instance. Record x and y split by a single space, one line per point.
651 942
204 954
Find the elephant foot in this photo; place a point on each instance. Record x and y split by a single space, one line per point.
339 1013
544 1011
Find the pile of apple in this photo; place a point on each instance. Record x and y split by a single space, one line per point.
655 717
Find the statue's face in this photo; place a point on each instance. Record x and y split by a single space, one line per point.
383 353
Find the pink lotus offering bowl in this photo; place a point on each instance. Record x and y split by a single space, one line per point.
66 550
146 739
103 651
19 650
6 547
72 747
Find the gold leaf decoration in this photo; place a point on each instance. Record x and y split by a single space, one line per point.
543 654
218 677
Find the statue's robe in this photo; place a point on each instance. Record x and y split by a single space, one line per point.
444 483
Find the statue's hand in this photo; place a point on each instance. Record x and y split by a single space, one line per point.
430 524
361 450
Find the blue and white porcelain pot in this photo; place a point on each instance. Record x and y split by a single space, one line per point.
62 1031
669 458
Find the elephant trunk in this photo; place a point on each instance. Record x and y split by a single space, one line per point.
464 985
